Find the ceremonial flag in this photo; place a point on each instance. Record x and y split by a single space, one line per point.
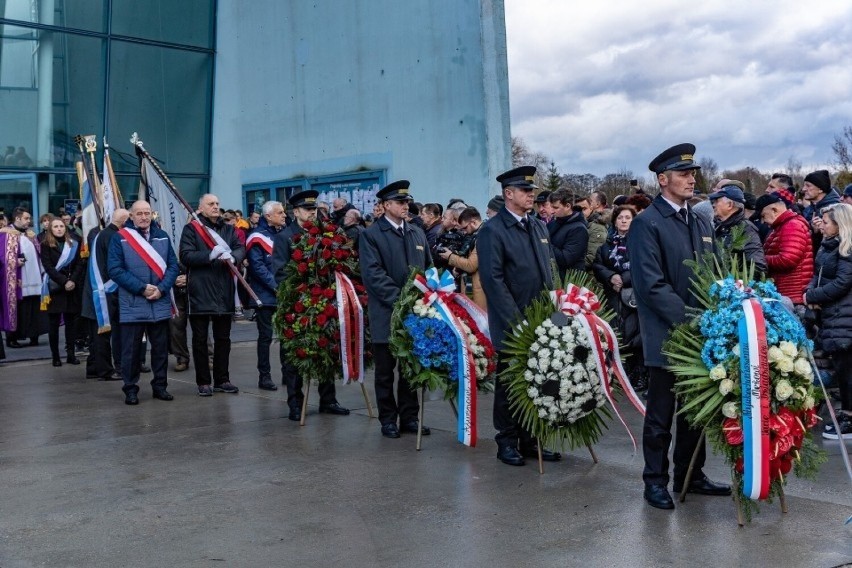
110 194
87 202
170 212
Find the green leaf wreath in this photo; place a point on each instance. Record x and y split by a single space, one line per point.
704 356
563 403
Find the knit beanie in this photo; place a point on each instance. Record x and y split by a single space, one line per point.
496 203
821 179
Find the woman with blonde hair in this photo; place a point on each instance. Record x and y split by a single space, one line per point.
62 288
830 292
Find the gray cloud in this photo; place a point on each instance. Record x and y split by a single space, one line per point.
601 90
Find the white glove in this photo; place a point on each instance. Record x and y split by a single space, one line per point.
217 251
226 257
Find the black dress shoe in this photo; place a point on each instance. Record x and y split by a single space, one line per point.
702 485
510 455
163 395
411 427
13 344
57 362
114 376
546 455
295 414
72 359
33 342
144 369
334 408
390 430
658 496
131 398
265 383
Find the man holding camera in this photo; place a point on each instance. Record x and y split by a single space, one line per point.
465 258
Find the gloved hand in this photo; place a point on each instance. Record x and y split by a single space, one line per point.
226 257
217 251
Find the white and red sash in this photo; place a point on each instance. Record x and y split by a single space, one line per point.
211 238
754 380
259 239
146 252
350 313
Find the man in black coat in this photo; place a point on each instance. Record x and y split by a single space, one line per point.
660 239
729 212
304 205
389 248
210 291
105 348
515 266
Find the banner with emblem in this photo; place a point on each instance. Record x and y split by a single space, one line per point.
170 214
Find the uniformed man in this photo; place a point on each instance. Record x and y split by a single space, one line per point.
304 205
664 236
388 250
515 260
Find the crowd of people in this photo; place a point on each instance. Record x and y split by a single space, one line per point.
132 286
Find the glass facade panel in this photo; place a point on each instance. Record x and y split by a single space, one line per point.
80 14
51 88
165 96
187 22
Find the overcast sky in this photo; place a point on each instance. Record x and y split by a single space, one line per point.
604 85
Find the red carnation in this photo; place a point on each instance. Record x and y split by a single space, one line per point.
316 291
298 255
340 238
326 254
290 318
289 334
340 254
331 227
299 307
328 293
301 287
321 319
300 353
314 231
323 271
302 268
304 321
322 342
359 288
297 238
326 242
330 310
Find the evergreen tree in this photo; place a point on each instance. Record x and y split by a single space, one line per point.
553 180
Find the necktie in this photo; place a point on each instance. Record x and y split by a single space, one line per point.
525 224
401 232
682 214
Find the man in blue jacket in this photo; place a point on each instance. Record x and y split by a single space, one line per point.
143 264
259 247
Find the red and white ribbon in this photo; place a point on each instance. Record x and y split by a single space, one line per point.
350 314
582 303
754 379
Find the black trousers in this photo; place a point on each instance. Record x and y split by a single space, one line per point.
132 349
70 332
842 364
509 432
105 348
221 348
264 341
405 406
657 433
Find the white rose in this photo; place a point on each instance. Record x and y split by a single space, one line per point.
788 348
809 402
726 386
554 344
547 324
544 354
774 354
783 390
532 392
528 375
532 363
736 350
542 413
785 365
718 373
540 331
802 367
554 332
729 409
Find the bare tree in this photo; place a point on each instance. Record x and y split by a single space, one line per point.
794 170
522 155
842 149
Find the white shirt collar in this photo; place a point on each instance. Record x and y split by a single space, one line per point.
674 205
519 218
394 225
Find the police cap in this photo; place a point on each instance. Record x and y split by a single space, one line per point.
521 177
396 191
677 158
305 199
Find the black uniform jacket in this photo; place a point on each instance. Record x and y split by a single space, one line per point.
209 283
659 242
514 267
386 259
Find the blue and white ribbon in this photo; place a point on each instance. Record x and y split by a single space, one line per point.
99 290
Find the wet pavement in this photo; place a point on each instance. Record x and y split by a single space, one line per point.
230 481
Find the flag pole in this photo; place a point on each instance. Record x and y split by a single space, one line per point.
142 152
91 145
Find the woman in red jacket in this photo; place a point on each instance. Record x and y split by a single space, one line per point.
789 253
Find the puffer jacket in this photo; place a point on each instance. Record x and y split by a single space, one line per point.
831 290
127 269
598 224
789 256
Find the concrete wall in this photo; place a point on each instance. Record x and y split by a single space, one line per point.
307 88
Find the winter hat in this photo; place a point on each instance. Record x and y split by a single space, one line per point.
821 179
